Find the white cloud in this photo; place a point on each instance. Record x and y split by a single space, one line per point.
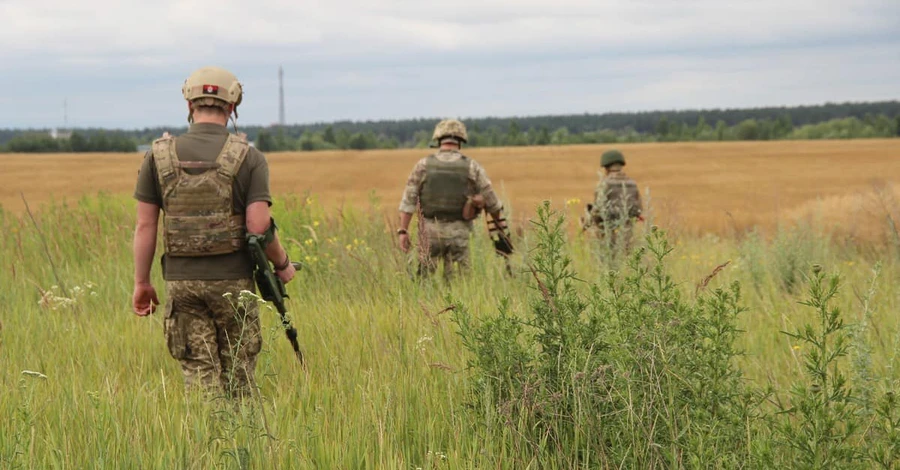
388 58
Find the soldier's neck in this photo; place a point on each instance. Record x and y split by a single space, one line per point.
210 119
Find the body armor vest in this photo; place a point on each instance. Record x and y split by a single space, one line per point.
618 198
198 209
445 189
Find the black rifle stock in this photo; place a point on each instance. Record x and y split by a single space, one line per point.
271 289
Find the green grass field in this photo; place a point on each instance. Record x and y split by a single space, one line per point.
86 384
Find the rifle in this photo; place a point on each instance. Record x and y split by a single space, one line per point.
501 238
271 289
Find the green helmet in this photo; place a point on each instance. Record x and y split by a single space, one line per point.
611 157
213 86
450 128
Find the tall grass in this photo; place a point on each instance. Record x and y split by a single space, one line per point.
636 367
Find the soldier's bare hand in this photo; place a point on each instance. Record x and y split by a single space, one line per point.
404 242
287 273
144 300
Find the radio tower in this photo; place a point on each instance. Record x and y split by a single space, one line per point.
280 96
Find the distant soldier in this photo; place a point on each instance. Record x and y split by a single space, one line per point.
213 188
449 190
617 203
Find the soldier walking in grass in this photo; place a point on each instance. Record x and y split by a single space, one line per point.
213 189
617 203
449 190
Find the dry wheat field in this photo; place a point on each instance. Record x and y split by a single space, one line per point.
693 187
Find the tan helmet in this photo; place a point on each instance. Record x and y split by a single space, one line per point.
450 128
213 86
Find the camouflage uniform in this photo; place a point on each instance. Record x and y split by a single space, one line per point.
617 203
203 181
214 336
446 238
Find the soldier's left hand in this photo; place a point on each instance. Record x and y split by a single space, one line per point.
287 273
144 300
405 243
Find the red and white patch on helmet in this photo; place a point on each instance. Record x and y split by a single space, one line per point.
210 89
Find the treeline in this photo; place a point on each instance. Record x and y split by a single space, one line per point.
781 128
44 142
828 121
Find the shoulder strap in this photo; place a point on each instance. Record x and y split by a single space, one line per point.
165 158
232 156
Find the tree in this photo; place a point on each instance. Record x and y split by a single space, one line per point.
663 127
783 126
748 130
264 141
560 136
78 143
542 137
702 127
100 143
721 128
328 135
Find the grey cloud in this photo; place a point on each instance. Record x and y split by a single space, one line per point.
122 63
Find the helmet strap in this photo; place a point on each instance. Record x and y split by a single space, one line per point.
233 115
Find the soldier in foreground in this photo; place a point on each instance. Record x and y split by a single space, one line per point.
449 190
617 203
213 189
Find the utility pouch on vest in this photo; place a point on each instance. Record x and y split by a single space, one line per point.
199 218
444 192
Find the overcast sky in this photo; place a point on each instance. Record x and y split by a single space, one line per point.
121 63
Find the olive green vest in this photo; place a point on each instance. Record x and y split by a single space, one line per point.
199 218
445 188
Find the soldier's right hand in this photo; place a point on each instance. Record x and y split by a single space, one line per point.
287 273
144 299
404 242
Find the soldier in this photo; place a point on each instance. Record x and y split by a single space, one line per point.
617 203
213 189
450 190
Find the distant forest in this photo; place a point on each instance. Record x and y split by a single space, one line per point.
828 121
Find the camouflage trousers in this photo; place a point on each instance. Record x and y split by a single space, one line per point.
215 337
447 241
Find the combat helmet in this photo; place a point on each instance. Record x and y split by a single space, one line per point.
611 157
450 128
213 86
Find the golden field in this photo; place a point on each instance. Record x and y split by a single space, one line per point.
694 187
